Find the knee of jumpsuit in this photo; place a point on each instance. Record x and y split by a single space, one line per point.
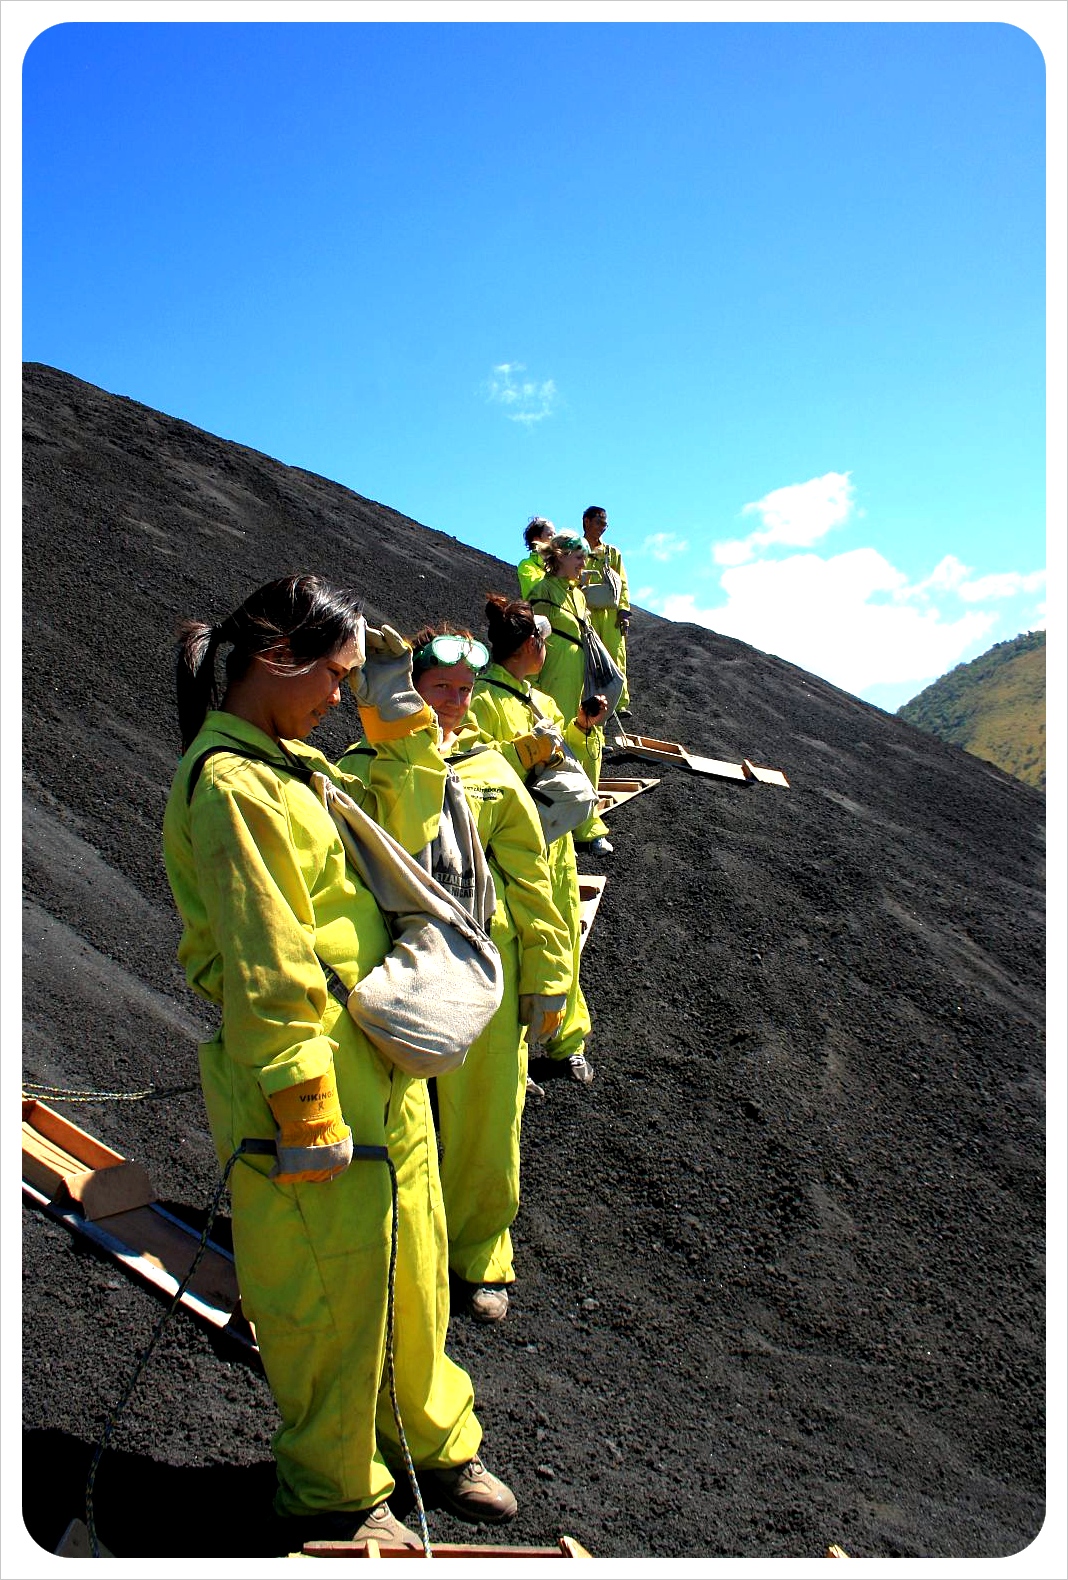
479 1115
575 1027
312 1264
434 1395
589 755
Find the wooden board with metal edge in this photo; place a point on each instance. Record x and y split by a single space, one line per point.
615 792
652 749
100 1196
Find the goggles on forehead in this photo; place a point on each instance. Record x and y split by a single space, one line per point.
449 649
572 546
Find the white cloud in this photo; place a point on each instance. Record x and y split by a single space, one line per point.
664 545
847 618
854 617
795 516
948 576
1008 585
525 400
952 575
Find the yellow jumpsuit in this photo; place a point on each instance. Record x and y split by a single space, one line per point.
604 620
529 571
260 879
481 1103
563 672
499 715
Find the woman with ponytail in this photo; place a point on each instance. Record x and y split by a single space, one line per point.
505 708
268 904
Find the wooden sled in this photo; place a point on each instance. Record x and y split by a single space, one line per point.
99 1196
590 891
567 1547
614 792
657 751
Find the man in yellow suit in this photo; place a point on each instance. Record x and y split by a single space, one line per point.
606 579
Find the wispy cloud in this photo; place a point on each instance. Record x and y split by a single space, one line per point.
525 400
664 545
1009 585
951 575
795 517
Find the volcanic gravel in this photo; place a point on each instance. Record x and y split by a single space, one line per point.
780 1269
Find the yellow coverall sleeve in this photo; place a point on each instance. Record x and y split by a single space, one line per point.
514 843
492 722
530 571
260 912
615 559
402 786
496 718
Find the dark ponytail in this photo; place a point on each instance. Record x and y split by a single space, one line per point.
290 623
509 623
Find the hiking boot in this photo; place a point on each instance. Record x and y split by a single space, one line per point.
600 846
488 1303
358 1525
579 1069
535 1093
472 1493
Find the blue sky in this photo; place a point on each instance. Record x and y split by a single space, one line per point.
773 293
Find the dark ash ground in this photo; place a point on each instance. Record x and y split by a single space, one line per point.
781 1267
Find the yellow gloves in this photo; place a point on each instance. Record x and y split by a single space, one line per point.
542 1014
532 750
390 707
313 1141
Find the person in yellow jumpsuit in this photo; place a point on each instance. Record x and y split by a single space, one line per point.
480 1104
505 708
259 876
537 534
610 621
558 596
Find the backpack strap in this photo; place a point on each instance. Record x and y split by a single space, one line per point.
575 640
470 751
292 765
513 691
300 771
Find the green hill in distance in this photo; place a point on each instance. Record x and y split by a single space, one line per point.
994 706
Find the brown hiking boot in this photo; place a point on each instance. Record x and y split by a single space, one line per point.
472 1493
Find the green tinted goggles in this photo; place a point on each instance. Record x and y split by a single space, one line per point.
448 650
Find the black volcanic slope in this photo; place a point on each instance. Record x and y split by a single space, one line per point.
780 1267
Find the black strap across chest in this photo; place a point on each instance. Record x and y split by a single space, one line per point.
575 640
513 691
291 765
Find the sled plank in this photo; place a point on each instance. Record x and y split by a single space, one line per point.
567 1547
713 765
767 776
590 891
614 792
100 1196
